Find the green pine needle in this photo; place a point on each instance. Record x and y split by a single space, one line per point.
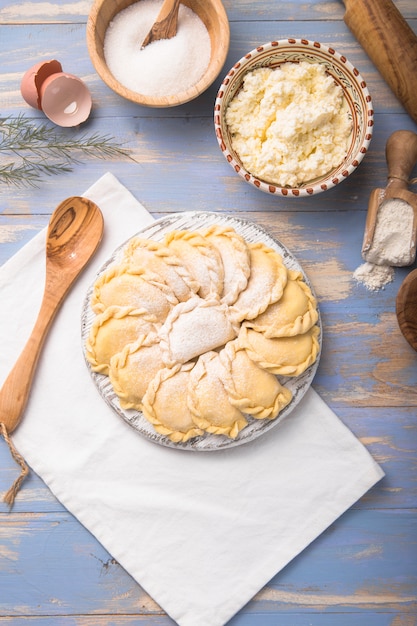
29 152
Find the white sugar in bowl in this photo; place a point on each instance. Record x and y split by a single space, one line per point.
145 83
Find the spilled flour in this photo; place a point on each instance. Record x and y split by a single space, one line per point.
374 277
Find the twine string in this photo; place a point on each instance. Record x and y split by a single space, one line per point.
411 181
10 496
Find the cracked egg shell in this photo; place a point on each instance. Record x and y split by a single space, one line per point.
33 79
65 99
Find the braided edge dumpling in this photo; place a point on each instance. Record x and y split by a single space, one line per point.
130 322
193 328
281 355
160 422
130 390
208 399
266 283
200 258
251 389
293 314
235 256
140 252
158 304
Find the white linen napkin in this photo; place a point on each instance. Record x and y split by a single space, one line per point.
201 532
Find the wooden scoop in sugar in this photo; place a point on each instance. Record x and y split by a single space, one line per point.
165 26
391 223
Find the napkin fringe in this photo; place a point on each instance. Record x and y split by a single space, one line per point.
10 495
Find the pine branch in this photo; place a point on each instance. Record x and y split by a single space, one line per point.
28 152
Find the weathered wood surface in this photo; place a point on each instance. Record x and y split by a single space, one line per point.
362 570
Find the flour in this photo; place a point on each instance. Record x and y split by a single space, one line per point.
164 67
391 246
374 277
393 236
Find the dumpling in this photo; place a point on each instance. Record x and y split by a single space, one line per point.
235 257
288 356
132 369
293 314
165 404
208 399
122 286
195 327
112 330
158 259
266 283
251 389
200 258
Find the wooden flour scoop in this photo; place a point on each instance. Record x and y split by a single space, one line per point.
74 233
401 155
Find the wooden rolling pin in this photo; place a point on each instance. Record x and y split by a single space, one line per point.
390 43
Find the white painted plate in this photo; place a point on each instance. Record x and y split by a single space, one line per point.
298 385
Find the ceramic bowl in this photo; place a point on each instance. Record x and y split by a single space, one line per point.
213 16
274 54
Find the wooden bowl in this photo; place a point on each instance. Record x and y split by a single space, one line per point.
406 308
211 13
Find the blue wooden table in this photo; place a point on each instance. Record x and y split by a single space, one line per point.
363 569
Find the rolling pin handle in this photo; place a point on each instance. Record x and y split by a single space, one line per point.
390 43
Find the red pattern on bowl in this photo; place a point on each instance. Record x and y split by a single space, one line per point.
273 54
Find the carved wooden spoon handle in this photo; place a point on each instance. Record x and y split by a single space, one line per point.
16 388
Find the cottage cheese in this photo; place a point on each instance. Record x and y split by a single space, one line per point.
289 125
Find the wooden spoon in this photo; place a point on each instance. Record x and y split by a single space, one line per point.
166 23
406 308
74 232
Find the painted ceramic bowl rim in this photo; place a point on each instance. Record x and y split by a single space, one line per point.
345 74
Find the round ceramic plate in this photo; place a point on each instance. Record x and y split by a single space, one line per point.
298 385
